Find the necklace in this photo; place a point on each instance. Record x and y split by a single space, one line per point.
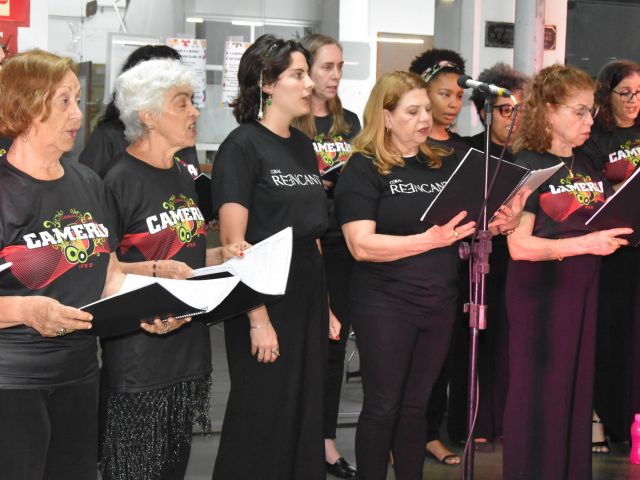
569 168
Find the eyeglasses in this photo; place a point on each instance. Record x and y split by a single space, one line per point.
582 111
506 110
627 95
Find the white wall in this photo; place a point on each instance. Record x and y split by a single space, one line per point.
460 25
361 20
35 35
309 10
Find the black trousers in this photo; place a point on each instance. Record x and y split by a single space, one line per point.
338 264
49 434
272 427
617 390
493 355
401 357
552 309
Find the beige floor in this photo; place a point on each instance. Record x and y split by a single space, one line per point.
614 466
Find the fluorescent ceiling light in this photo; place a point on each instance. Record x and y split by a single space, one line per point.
195 20
417 41
247 23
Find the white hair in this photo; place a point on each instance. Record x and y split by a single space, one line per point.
143 88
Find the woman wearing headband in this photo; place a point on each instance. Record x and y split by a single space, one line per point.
440 69
266 178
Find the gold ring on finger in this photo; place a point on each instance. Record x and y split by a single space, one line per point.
63 331
456 233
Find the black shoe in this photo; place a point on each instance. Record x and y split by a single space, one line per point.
341 469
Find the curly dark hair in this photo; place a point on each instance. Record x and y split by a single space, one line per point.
608 79
436 61
268 57
502 75
142 54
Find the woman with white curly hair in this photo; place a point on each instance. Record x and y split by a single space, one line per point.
155 387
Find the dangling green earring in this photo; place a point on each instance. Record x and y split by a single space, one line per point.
269 102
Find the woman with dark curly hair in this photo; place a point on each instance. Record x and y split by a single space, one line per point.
266 178
614 148
552 285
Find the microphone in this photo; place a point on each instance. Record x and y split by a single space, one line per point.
465 81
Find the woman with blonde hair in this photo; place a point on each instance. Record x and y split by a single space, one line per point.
403 288
552 285
332 129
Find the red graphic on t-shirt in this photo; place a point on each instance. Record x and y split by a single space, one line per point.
572 194
171 232
69 242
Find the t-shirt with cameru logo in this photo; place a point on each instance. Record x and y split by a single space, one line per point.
156 217
58 236
563 204
615 151
396 202
275 178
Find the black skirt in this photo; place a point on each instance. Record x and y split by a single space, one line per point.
273 426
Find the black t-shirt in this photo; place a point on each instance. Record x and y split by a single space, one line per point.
157 218
477 142
107 142
329 151
5 143
275 178
56 233
616 152
562 205
396 202
459 144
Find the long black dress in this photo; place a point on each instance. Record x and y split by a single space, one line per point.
552 310
273 424
617 391
331 150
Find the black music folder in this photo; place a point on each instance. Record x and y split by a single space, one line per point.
465 188
205 200
622 209
152 298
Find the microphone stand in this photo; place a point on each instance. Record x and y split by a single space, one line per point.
479 258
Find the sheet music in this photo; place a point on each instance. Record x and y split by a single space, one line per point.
264 267
4 266
535 179
203 295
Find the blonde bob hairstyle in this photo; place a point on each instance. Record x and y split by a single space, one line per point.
550 86
27 84
374 141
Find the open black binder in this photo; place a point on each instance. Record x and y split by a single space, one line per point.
622 209
465 190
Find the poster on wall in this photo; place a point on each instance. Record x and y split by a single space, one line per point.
13 14
194 55
233 51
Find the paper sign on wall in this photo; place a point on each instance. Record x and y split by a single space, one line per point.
194 55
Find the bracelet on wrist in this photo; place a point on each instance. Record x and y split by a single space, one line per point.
155 265
507 232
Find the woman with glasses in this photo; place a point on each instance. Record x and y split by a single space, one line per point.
552 291
493 352
614 147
